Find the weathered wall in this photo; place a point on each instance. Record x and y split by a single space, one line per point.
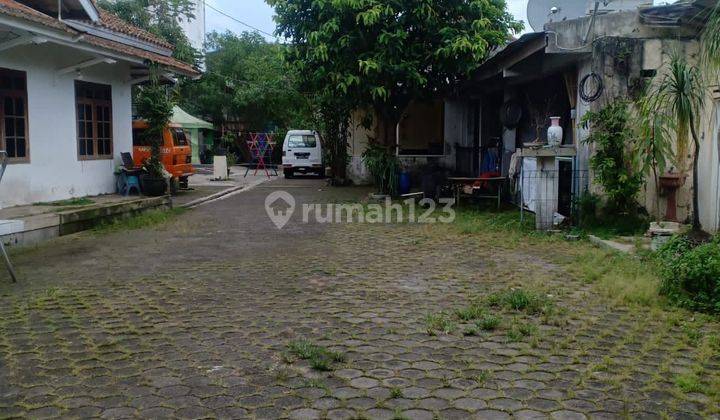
457 130
54 171
657 46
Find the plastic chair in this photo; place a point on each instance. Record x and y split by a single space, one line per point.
128 183
11 270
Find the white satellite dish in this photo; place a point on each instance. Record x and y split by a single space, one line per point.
540 12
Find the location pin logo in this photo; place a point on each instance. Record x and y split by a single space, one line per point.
280 206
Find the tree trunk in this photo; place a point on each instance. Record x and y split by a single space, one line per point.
696 178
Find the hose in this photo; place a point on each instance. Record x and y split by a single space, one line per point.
586 96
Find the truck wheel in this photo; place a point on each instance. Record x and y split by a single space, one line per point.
289 173
184 183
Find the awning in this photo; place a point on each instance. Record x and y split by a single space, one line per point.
185 120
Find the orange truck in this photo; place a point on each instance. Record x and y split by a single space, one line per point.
175 152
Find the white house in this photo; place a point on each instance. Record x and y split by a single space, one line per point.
65 96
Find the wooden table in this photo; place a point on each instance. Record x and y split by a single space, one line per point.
459 183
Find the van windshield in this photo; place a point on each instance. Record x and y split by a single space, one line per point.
179 137
300 142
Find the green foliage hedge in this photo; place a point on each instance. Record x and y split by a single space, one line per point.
691 274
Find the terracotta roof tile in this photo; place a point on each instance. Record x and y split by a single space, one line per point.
18 10
112 22
172 63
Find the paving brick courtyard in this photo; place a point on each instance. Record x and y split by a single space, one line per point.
194 319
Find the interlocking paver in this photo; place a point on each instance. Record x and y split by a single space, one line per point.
184 320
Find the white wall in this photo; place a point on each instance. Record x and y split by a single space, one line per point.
54 171
195 30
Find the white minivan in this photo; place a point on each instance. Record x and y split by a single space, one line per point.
302 152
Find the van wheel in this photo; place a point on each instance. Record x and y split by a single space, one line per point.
289 173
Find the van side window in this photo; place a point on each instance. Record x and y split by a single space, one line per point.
302 142
179 138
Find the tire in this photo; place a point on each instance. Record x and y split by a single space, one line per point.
289 173
184 183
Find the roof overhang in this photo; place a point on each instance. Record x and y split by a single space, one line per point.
117 37
95 45
512 54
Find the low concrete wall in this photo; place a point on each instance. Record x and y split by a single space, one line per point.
47 226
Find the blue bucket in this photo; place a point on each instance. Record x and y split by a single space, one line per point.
404 183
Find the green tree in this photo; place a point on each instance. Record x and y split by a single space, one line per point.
680 94
653 143
161 18
154 105
247 80
383 54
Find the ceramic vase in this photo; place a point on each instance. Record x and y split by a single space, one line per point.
555 132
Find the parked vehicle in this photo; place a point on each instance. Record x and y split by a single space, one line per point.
175 152
302 152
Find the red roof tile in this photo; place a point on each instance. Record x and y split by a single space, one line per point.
112 22
109 21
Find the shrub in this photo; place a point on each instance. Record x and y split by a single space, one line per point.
691 274
612 164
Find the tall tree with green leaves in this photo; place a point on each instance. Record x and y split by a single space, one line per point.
680 94
162 18
383 54
247 80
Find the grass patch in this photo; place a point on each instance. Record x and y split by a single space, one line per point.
471 312
474 221
439 323
623 278
521 300
396 392
319 357
471 331
488 323
73 202
140 221
689 382
518 332
482 377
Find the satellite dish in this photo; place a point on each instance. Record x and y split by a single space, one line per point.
541 12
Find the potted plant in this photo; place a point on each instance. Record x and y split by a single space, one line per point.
154 106
153 179
384 167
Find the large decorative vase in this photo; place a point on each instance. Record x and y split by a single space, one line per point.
555 132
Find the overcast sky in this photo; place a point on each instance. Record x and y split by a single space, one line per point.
258 14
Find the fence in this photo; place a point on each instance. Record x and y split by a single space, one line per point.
550 194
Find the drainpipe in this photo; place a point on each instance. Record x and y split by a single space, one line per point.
59 9
592 23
